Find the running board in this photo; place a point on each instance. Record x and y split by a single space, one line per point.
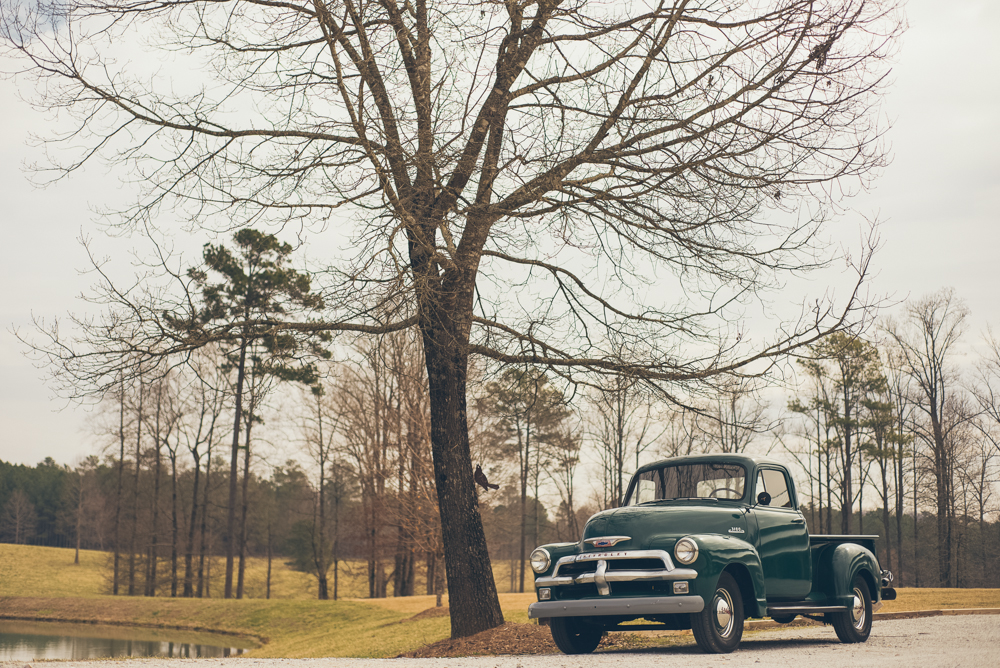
800 609
637 627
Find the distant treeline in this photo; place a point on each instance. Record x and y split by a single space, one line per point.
58 506
34 504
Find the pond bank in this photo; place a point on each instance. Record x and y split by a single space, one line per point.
284 628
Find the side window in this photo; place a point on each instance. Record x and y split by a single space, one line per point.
645 490
774 483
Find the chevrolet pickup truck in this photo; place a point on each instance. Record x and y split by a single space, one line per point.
703 543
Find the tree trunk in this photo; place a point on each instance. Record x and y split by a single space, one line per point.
525 467
267 594
244 503
884 466
916 524
847 497
192 522
474 606
79 521
152 556
899 510
430 572
135 496
319 514
119 493
234 467
173 519
202 542
944 546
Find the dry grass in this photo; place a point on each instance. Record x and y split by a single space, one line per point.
50 571
942 599
43 583
27 570
293 629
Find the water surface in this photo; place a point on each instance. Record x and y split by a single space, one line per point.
29 641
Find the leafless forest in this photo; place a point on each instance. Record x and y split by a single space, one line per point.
902 423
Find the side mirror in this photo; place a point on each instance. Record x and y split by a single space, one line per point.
764 499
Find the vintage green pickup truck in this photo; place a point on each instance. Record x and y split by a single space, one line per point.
703 543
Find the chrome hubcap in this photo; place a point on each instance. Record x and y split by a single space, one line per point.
723 605
858 610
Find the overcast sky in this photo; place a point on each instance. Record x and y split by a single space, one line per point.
938 203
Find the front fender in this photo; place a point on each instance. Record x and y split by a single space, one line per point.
717 553
835 568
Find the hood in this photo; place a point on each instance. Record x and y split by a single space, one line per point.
659 526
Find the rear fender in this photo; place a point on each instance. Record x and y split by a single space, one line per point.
838 565
718 553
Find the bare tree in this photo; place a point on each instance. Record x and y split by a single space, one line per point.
623 417
563 447
986 388
471 145
320 430
817 411
899 392
205 398
926 339
525 412
19 517
681 434
733 417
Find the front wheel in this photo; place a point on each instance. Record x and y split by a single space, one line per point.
855 625
718 628
573 636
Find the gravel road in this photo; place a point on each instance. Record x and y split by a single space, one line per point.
972 640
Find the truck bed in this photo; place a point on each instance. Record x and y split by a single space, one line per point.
867 541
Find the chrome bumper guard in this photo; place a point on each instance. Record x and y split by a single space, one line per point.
638 607
603 575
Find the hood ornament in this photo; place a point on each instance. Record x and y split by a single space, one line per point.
606 541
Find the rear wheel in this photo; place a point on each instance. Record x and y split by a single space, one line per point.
718 628
855 625
574 636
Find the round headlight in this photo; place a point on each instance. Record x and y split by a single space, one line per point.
686 550
540 560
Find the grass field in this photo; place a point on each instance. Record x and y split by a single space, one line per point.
43 583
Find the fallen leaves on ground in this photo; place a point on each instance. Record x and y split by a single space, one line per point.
509 639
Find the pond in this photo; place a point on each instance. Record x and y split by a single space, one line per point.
29 641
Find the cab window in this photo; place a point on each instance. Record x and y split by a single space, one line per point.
774 483
723 481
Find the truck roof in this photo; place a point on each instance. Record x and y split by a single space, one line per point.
750 461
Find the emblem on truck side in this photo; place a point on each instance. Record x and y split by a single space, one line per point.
736 530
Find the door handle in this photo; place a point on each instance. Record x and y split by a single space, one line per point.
798 520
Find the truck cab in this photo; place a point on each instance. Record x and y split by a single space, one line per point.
705 542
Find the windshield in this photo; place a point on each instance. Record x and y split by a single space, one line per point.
688 481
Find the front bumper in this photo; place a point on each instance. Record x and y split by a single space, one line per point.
637 607
602 576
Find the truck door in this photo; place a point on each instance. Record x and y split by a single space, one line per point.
782 537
